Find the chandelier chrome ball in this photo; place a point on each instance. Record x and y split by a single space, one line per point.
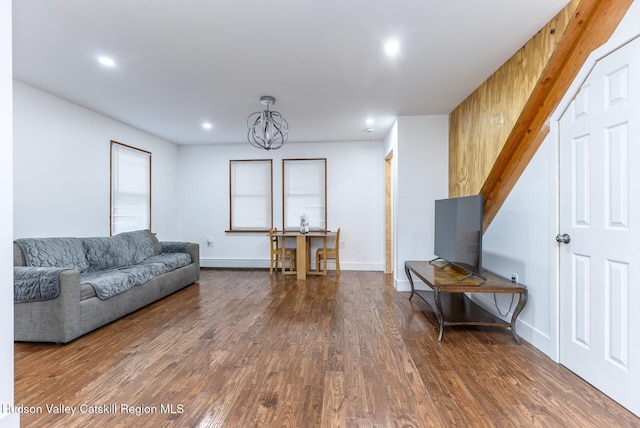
267 129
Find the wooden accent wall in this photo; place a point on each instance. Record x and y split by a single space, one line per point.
564 45
481 124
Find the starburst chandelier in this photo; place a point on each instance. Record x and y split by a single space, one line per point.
267 129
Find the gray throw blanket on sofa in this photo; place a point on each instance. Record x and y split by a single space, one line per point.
110 282
111 265
35 283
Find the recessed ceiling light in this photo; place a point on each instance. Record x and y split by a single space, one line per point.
392 48
370 121
106 61
207 125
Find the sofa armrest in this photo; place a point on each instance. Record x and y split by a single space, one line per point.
190 248
54 320
18 255
35 283
174 246
193 250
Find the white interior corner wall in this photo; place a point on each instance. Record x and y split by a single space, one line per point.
420 163
7 419
521 240
355 201
61 168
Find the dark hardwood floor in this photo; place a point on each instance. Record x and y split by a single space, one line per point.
242 349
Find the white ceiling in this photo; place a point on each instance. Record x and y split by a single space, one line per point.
181 63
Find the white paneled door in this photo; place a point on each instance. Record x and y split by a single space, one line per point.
599 235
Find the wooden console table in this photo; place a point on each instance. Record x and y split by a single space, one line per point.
449 302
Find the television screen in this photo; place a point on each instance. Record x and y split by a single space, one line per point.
458 232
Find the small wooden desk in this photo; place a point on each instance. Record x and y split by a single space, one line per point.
303 250
452 307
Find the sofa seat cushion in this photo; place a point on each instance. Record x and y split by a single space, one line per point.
124 249
65 253
87 292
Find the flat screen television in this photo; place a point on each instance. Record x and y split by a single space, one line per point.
458 233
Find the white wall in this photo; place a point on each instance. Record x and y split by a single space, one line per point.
355 180
421 163
61 184
6 232
61 169
521 240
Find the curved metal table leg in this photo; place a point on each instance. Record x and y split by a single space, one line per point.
436 297
522 300
408 272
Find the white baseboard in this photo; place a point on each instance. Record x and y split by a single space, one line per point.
401 285
264 264
525 330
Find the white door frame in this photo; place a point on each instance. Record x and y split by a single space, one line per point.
613 44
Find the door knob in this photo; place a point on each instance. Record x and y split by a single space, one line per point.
564 239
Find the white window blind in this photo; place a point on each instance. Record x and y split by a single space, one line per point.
130 188
304 191
250 194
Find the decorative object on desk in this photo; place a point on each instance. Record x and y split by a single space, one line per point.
329 253
304 223
278 254
267 129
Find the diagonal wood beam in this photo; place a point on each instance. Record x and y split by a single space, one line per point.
592 25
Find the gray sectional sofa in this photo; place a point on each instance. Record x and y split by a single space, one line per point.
66 287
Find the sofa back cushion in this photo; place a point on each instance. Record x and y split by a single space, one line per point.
65 253
124 249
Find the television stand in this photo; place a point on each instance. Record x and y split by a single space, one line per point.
472 274
469 275
451 305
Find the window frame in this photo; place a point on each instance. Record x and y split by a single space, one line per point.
113 165
315 224
268 195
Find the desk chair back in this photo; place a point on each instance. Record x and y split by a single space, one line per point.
278 254
330 253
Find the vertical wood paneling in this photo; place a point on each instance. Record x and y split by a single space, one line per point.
481 159
480 125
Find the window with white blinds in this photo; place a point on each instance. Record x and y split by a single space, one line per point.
130 188
250 195
304 191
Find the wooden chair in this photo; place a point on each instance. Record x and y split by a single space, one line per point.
276 256
329 253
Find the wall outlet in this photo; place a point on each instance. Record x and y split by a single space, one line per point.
341 244
209 242
514 278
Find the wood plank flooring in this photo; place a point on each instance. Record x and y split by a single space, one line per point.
243 349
